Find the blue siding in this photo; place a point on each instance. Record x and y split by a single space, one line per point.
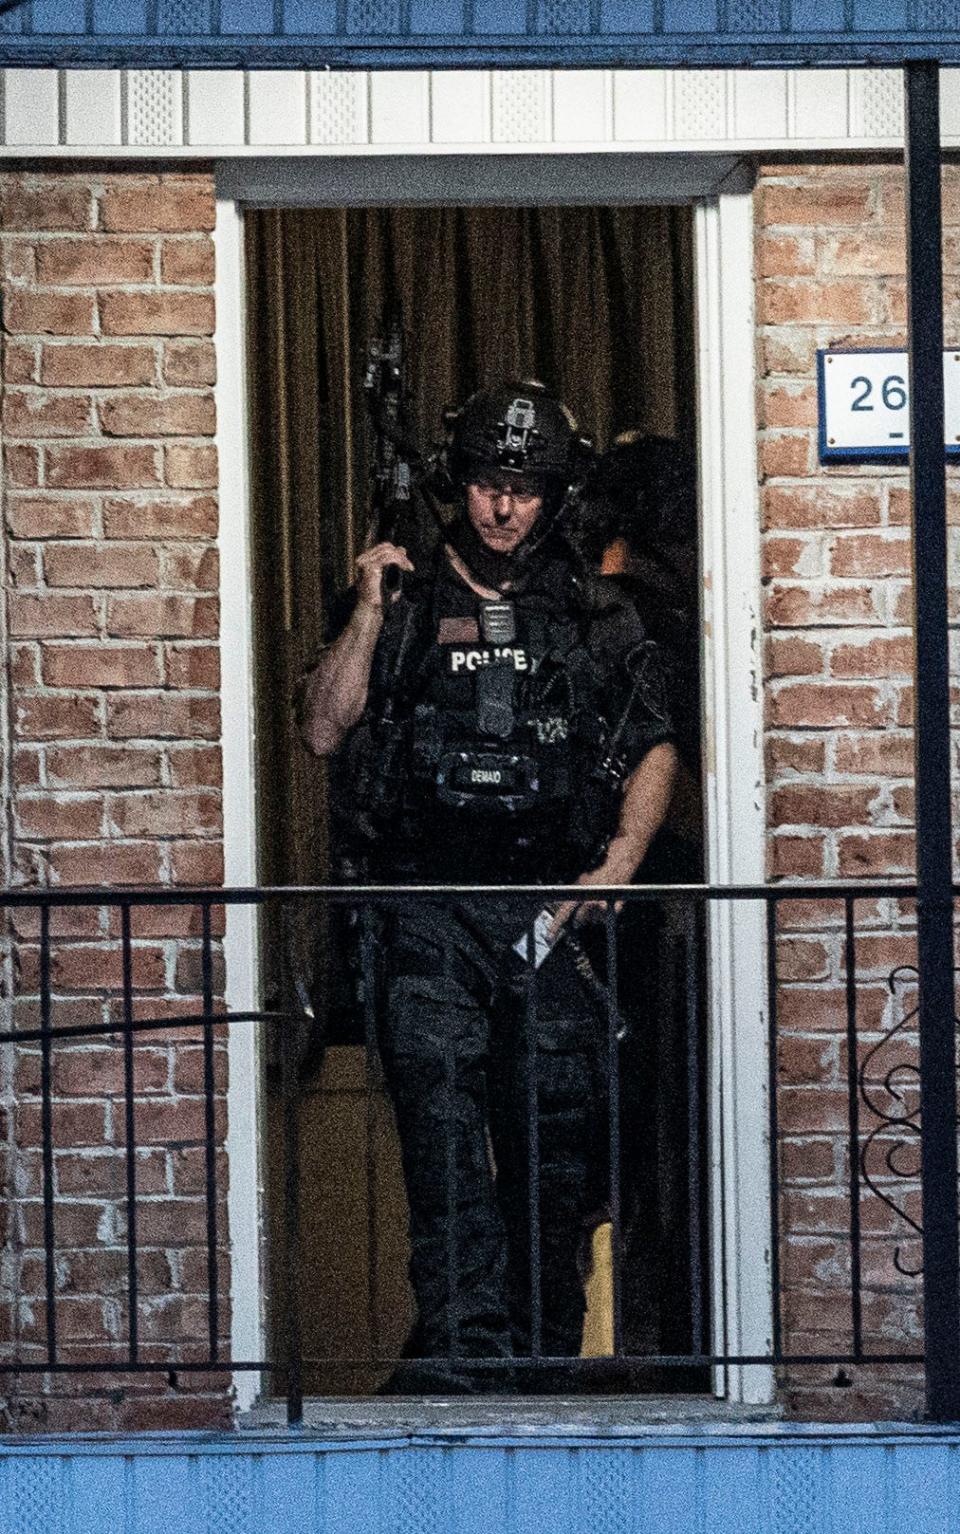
445 33
779 1480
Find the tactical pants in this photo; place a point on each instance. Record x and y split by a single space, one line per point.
500 1110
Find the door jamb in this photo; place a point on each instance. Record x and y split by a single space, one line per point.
720 189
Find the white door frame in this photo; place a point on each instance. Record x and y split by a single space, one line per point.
720 189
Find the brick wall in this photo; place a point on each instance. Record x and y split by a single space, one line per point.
112 732
830 271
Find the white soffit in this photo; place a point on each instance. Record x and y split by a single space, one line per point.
163 113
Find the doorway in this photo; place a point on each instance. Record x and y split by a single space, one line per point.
598 302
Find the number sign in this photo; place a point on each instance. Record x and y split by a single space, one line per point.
864 405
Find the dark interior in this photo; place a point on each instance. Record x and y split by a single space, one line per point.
598 303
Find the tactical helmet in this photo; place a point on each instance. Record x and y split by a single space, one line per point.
516 429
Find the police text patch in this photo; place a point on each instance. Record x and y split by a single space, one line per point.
462 660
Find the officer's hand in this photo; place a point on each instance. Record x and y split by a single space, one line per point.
370 567
579 911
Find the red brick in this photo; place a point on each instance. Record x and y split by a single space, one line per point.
57 314
25 665
18 261
794 656
807 1160
52 516
191 569
155 314
806 301
76 1124
106 565
877 657
150 415
57 716
187 261
189 362
91 262
813 1109
190 468
879 854
822 705
788 350
193 666
816 204
790 556
869 253
800 606
802 804
786 453
818 506
21 466
99 967
188 813
108 766
172 205
156 615
197 863
101 365
199 766
60 616
34 413
162 715
20 362
885 755
108 468
870 554
788 405
178 517
45 817
102 666
23 566
785 255
787 754
128 863
797 857
52 204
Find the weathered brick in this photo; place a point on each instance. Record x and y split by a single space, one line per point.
797 857
162 715
816 204
176 517
20 361
162 615
102 364
123 863
58 314
810 804
187 261
873 554
173 204
886 755
800 606
877 854
197 863
108 468
187 813
56 716
166 313
189 363
801 754
191 569
35 413
107 766
794 655
821 505
50 204
786 453
828 705
48 817
105 565
190 468
150 415
193 666
21 465
93 261
102 666
51 516
889 655
805 301
195 765
56 615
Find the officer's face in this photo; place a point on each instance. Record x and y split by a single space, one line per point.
500 514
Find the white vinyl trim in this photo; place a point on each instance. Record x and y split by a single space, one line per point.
245 1197
734 783
732 697
169 114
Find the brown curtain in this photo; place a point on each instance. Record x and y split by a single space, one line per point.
594 301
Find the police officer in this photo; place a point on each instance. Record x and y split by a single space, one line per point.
499 720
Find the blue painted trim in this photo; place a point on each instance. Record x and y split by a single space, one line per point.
119 37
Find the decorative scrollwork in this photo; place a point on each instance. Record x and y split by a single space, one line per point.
888 1099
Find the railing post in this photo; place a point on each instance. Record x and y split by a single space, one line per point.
938 1081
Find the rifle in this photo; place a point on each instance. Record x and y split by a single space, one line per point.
384 387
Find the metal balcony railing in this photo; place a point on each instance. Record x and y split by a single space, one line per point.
94 1022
